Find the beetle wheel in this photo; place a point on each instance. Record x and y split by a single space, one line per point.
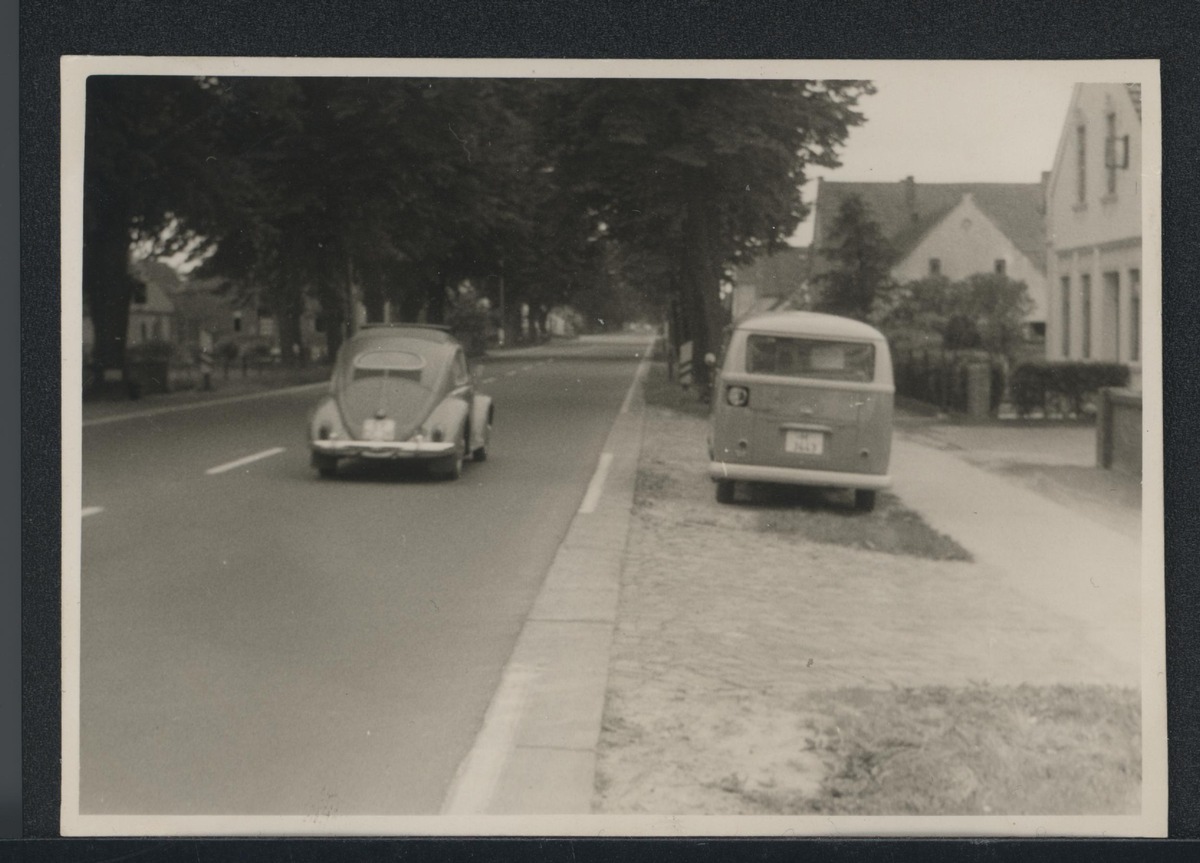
451 467
326 465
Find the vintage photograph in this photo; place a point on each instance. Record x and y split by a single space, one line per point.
611 448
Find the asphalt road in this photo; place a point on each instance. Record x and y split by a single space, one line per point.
255 640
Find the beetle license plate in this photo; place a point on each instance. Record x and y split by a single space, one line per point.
804 443
379 429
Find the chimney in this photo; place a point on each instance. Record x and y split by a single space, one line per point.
910 196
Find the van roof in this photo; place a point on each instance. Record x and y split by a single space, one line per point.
809 324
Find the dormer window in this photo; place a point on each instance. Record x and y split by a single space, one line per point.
935 266
1001 267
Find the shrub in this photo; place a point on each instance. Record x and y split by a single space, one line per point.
1034 384
150 352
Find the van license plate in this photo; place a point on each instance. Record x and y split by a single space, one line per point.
804 442
379 429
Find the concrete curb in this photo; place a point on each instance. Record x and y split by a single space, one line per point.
536 752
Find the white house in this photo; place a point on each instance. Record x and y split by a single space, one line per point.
1094 229
953 230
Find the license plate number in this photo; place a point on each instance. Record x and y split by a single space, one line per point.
379 429
804 443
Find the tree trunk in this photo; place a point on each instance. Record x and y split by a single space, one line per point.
411 303
436 307
701 282
108 286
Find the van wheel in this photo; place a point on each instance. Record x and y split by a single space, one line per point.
724 491
864 499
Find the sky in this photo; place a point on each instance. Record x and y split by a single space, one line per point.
952 123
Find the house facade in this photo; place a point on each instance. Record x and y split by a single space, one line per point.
953 230
1094 229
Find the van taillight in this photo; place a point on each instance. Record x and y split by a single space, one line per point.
739 397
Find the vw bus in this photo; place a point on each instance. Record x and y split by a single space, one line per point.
803 398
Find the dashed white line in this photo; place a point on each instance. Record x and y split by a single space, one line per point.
487 380
527 368
90 510
596 486
510 374
222 468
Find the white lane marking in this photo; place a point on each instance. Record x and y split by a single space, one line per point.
596 486
510 374
479 773
487 380
637 377
267 453
527 368
90 510
153 412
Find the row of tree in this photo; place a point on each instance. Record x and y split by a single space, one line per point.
606 192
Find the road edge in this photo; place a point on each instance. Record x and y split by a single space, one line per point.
536 751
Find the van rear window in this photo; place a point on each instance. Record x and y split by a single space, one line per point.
810 358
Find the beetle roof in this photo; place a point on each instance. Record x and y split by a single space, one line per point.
808 324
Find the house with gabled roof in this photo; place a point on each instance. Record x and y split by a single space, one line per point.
953 230
1094 228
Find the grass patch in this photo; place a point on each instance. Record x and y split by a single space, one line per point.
827 515
979 750
662 393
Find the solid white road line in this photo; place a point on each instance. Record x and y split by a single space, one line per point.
267 453
477 776
228 400
637 376
596 486
90 510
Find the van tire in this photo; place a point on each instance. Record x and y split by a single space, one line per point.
864 499
724 491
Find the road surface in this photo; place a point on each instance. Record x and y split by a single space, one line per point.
255 640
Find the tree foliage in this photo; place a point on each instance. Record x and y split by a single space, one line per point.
861 259
985 310
617 195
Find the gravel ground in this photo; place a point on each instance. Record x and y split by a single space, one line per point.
726 633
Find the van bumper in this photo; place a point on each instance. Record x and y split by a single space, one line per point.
718 470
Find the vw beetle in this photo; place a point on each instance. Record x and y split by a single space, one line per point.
803 398
401 392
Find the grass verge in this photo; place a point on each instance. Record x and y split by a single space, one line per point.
979 750
660 392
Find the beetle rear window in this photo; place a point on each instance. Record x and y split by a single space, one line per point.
810 358
390 364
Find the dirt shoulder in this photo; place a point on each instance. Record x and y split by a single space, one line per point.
760 670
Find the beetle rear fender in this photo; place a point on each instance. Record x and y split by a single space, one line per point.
482 414
326 420
449 416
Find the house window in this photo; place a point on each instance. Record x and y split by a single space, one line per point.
1110 152
1001 266
935 266
237 322
1135 315
1080 163
1066 316
1085 289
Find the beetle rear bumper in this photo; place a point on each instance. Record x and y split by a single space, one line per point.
797 476
383 449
